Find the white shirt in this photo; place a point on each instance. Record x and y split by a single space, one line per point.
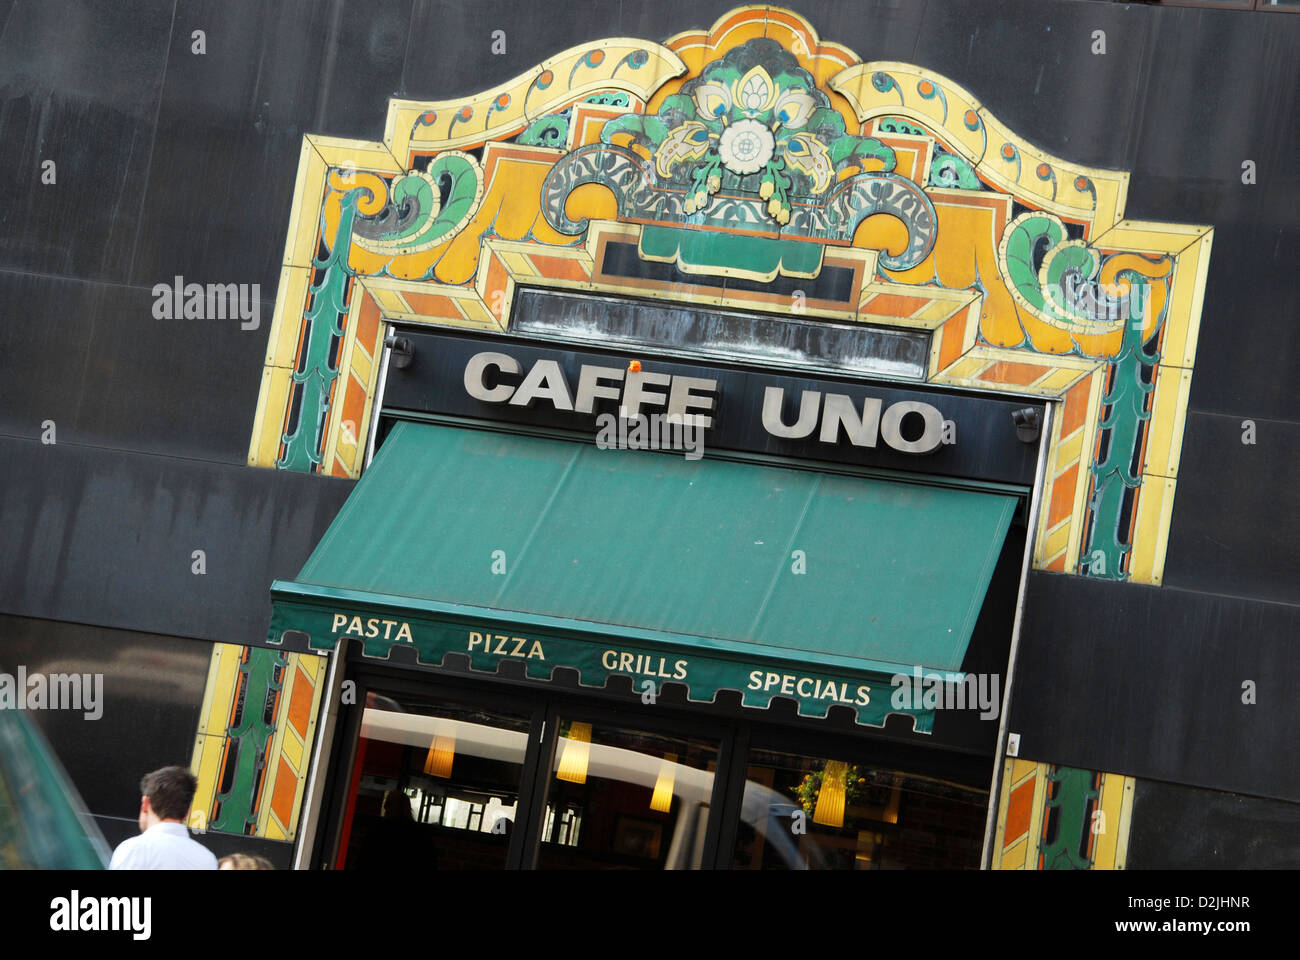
164 846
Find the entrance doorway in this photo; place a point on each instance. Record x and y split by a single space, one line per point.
470 775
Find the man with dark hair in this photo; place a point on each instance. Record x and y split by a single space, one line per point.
164 843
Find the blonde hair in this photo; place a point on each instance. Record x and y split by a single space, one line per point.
244 861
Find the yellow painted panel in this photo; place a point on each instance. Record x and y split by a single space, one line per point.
1116 793
219 692
210 737
1056 541
312 667
516 263
277 387
1151 537
286 322
1185 302
1063 378
291 749
999 833
1168 416
1070 450
1021 768
1013 857
1142 236
364 155
1125 824
1095 391
300 243
969 367
389 299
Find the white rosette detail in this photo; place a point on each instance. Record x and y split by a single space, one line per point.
746 146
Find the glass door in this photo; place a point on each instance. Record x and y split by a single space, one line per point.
626 795
451 775
435 785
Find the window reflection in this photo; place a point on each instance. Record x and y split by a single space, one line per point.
624 798
436 786
826 813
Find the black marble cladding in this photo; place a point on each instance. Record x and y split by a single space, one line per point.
172 162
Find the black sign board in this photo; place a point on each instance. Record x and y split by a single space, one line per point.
609 395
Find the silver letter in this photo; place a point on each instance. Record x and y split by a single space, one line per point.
475 369
680 400
810 402
545 381
635 392
928 441
837 409
589 387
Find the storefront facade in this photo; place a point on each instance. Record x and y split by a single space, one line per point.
644 561
702 450
691 230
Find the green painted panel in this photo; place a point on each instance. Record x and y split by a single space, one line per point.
705 248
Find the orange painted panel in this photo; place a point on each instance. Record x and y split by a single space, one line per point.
1019 808
892 305
1021 374
1057 565
354 404
1062 496
496 280
300 703
286 786
954 334
559 268
368 323
432 305
1075 408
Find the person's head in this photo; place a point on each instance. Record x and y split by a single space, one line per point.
244 861
166 795
397 806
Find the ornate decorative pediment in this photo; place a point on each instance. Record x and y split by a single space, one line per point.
738 155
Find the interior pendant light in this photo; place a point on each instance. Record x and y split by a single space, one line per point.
442 751
662 800
829 811
575 753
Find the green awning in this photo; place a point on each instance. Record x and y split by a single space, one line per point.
715 574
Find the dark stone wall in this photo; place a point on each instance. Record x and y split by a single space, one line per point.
171 163
1177 827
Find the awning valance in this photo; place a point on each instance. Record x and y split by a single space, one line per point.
715 574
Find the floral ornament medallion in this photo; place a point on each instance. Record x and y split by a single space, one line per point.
753 122
746 147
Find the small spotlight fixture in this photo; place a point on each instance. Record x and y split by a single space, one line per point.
403 351
1028 424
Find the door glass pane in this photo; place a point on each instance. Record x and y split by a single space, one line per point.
626 798
435 786
823 813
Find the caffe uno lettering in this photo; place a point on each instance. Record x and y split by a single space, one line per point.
643 392
585 391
